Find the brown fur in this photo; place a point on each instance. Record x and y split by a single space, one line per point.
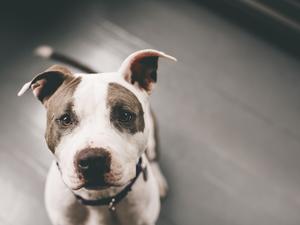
119 97
144 72
59 103
46 83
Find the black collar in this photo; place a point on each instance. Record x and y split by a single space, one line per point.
114 200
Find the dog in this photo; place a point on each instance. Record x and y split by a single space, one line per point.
101 131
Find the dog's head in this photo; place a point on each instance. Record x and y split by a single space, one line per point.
98 124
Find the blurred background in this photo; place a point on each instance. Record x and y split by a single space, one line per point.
228 110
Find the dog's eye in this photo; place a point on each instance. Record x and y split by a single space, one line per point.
65 119
125 116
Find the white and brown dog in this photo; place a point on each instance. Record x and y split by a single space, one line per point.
101 131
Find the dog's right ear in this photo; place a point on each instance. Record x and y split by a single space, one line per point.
46 83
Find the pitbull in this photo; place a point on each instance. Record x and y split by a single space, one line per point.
101 131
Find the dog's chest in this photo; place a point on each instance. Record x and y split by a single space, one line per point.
100 216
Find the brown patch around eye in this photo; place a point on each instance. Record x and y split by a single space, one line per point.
59 103
122 101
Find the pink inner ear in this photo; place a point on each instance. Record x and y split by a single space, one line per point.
140 67
37 87
143 71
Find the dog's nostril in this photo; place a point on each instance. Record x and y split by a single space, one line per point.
93 164
83 164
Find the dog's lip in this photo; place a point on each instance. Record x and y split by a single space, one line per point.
91 186
77 187
96 187
99 186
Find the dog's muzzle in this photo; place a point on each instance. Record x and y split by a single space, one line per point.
111 202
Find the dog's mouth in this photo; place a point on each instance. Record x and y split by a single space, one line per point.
96 185
91 186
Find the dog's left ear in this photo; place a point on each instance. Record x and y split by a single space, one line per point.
141 68
46 83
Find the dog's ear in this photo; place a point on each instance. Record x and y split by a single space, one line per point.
47 82
141 68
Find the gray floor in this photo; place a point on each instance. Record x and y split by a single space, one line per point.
228 112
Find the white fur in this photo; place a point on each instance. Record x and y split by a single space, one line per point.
95 130
142 205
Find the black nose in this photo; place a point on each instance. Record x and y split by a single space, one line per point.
92 164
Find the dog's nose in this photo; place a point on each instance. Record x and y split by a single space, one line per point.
92 164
